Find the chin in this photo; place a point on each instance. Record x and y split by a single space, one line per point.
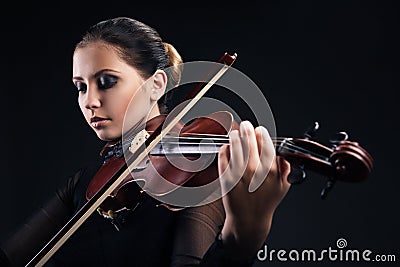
105 135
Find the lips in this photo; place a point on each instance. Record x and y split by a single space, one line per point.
98 122
95 119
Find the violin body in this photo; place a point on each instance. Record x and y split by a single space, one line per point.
160 174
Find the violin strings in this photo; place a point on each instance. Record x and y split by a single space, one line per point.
294 149
287 144
218 137
211 136
215 136
226 141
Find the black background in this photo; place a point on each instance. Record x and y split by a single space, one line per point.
335 62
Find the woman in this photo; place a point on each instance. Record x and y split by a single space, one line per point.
110 66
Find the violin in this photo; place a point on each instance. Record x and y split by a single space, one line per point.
163 170
152 162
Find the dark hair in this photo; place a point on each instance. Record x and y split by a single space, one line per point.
140 46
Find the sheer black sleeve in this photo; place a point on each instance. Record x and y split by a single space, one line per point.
31 236
197 240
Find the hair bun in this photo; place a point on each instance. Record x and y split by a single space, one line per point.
175 63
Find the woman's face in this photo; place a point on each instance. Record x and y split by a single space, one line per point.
106 85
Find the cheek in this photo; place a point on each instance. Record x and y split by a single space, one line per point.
135 110
80 103
81 106
117 104
128 99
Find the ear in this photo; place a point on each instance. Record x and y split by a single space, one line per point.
159 84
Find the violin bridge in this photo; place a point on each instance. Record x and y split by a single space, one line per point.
139 140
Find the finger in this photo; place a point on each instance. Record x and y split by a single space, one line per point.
236 164
266 147
223 169
223 159
250 150
266 154
284 170
235 149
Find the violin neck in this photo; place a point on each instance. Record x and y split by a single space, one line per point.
185 149
189 149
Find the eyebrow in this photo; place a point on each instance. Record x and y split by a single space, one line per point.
97 74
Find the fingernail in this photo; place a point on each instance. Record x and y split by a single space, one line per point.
245 126
233 133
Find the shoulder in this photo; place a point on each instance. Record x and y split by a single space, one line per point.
72 192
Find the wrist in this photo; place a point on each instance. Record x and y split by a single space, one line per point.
244 240
220 255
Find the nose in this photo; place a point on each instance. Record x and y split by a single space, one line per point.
92 98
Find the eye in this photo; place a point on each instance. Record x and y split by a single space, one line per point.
106 81
80 86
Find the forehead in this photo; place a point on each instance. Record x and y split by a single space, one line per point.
97 56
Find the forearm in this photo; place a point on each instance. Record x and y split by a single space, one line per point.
236 247
198 240
34 234
242 241
228 253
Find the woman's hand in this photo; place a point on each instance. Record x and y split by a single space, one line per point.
253 181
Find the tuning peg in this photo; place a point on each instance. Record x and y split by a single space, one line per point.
340 136
311 131
297 174
328 187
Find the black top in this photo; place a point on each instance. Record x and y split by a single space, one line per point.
149 236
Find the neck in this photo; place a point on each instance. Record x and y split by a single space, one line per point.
154 112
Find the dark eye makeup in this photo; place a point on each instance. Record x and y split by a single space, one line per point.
104 82
80 86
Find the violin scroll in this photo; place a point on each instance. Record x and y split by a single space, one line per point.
345 161
350 162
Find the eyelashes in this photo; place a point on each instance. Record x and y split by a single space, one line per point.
103 83
106 82
80 86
